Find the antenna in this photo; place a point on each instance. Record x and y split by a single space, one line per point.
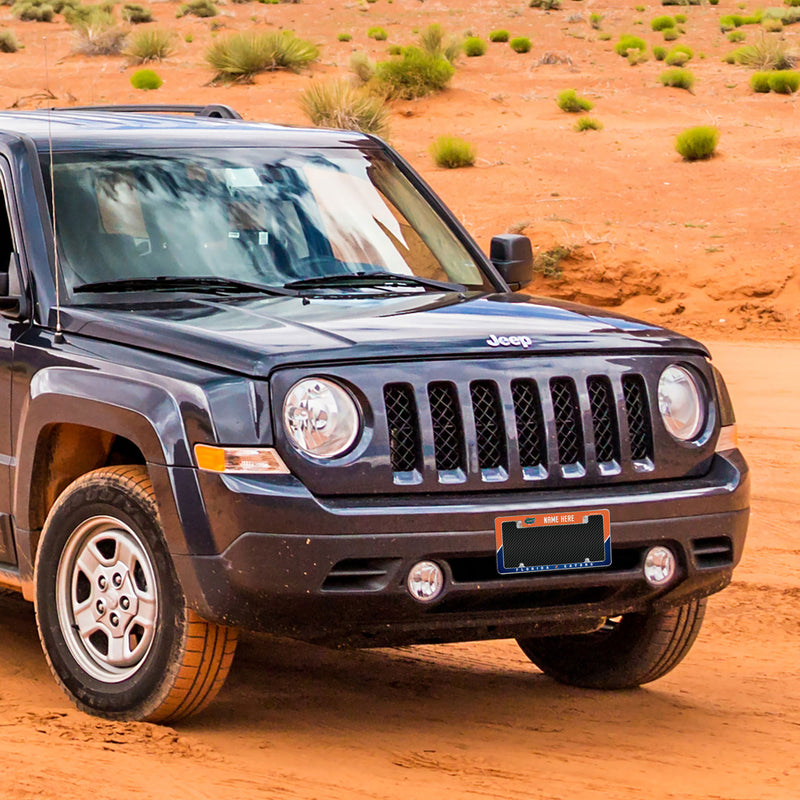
59 337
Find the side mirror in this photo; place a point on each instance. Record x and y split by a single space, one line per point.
512 256
13 297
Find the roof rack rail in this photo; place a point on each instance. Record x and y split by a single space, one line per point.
216 110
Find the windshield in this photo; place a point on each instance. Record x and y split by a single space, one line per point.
258 215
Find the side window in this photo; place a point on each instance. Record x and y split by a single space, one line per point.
6 237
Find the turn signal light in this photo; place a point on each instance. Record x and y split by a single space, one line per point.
263 460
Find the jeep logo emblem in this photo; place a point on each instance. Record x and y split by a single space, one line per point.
509 341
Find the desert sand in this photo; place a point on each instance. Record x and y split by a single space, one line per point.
708 248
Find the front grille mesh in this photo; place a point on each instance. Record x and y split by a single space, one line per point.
448 432
548 444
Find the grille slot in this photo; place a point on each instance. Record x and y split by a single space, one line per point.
448 430
359 575
714 551
530 426
403 422
567 414
489 428
604 423
638 412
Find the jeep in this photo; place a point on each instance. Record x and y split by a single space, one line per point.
257 377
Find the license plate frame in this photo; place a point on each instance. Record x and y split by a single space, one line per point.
565 540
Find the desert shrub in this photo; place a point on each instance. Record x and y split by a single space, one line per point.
662 23
452 152
433 41
659 53
33 11
243 55
759 82
338 104
603 37
145 79
474 46
713 2
362 67
344 37
792 2
596 20
676 59
99 37
394 50
188 38
682 48
136 14
413 75
8 42
150 45
679 78
197 8
680 18
696 144
571 102
772 25
545 5
378 34
99 14
59 6
502 36
588 124
548 262
627 42
520 44
737 36
767 53
671 34
639 8
784 81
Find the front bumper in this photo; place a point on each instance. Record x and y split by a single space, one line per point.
273 557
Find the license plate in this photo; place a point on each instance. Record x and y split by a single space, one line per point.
555 540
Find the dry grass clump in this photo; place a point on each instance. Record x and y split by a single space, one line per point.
8 42
33 11
150 45
588 124
136 14
451 152
433 41
766 53
338 104
243 55
198 8
97 33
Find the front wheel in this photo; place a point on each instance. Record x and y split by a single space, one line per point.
112 618
626 652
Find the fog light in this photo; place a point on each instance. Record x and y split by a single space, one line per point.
659 565
425 581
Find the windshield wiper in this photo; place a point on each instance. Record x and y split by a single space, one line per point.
376 279
178 283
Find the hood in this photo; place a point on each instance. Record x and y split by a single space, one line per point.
254 336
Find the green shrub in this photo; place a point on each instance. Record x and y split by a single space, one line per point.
713 2
679 78
338 104
792 2
659 53
571 102
197 8
136 14
676 59
680 18
344 37
784 81
662 23
683 49
520 44
434 42
596 20
145 79
394 50
452 152
8 42
772 25
414 75
695 144
378 34
737 36
150 45
243 55
502 36
627 42
640 9
545 5
474 46
588 124
670 35
33 11
759 82
603 37
548 262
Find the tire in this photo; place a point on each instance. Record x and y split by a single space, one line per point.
112 618
626 652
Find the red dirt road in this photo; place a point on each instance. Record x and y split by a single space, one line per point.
471 720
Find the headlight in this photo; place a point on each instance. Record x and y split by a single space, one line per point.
680 403
321 418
